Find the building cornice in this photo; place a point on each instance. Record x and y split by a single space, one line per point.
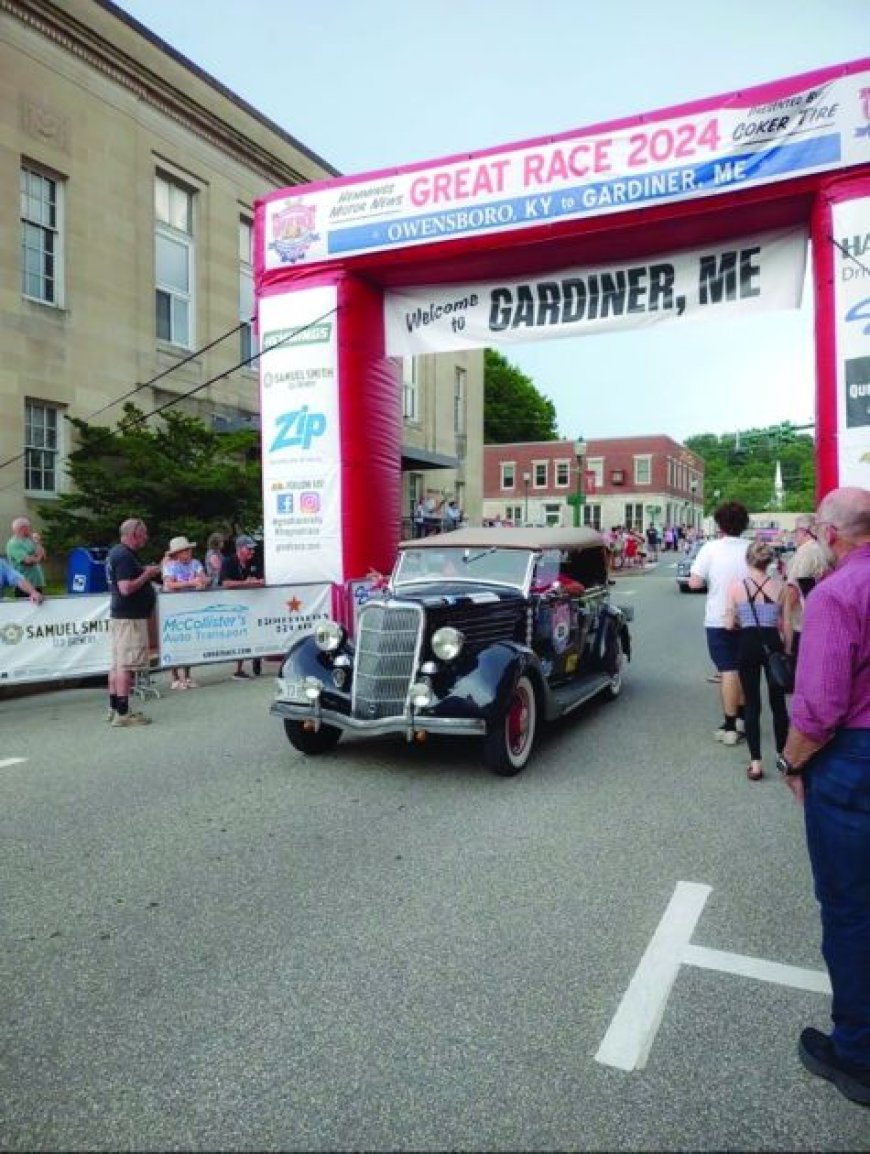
57 24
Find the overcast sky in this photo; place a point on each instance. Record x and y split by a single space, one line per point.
369 84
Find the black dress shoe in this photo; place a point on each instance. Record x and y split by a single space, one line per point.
816 1052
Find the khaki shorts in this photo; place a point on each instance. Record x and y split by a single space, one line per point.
129 644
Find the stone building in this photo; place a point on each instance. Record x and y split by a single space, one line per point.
127 268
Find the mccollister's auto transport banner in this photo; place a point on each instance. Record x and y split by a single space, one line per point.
760 272
728 145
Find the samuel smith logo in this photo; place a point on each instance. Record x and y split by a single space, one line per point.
293 231
297 429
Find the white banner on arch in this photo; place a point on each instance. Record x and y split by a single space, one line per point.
757 273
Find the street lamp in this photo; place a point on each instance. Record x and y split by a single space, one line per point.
579 496
527 480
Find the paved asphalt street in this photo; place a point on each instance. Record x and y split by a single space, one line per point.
210 942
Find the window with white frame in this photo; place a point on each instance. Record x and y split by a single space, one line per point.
514 513
563 474
508 475
42 447
595 465
41 236
642 470
552 514
592 517
247 347
410 396
173 261
633 516
540 474
460 377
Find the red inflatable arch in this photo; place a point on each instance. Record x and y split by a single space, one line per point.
707 205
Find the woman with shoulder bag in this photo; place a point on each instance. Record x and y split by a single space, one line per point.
755 607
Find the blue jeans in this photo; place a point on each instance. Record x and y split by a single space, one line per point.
837 815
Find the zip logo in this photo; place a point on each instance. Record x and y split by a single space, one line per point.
298 429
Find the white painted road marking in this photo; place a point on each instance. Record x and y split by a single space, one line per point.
11 761
629 1039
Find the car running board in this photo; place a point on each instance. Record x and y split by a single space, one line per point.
565 698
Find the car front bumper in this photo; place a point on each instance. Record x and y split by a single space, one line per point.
408 724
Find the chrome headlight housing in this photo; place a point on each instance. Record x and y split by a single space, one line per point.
328 636
447 643
421 694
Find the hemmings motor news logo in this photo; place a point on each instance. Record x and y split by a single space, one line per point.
309 503
293 231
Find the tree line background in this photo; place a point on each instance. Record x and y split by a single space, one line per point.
182 477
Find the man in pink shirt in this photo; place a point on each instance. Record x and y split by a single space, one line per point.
826 764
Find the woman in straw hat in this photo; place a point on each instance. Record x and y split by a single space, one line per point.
182 572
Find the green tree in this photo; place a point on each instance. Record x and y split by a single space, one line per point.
179 476
513 409
743 467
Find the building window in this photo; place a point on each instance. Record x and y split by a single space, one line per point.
552 515
508 475
642 470
409 389
563 474
247 344
540 477
459 383
41 447
515 514
596 465
633 517
41 237
592 517
173 262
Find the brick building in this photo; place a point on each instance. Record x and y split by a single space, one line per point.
629 481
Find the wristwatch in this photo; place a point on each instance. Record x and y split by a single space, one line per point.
785 767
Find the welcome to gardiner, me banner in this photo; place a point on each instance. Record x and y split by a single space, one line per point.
726 146
761 272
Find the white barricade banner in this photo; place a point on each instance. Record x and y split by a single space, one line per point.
63 637
758 273
68 637
228 624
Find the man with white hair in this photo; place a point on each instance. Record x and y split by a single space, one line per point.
25 554
826 764
808 565
132 603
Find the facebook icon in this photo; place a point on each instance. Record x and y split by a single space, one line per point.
285 502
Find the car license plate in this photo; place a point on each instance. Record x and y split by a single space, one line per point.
294 690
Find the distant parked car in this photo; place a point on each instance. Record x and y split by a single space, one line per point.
684 566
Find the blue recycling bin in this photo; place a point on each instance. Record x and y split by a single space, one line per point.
86 570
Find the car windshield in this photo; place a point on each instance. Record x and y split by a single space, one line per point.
491 565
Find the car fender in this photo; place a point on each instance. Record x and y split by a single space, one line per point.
484 688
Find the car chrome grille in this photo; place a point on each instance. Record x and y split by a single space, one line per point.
387 652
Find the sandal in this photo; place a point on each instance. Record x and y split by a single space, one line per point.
754 774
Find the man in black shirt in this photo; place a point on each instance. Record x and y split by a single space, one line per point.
241 571
132 603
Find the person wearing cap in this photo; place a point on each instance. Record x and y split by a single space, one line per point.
808 565
241 571
182 573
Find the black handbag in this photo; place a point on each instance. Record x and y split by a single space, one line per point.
780 665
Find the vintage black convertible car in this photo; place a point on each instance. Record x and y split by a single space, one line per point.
477 633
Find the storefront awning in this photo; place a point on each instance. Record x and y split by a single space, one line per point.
419 460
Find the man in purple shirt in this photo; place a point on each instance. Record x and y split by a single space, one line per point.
826 764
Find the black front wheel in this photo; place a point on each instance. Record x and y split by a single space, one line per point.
309 741
508 744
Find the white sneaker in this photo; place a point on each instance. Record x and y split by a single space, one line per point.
740 725
730 737
111 715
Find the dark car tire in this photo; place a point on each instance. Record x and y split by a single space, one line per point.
684 588
307 741
508 744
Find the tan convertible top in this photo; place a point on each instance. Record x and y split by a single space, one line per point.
503 538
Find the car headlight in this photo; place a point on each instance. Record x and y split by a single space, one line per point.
328 636
447 643
421 694
312 688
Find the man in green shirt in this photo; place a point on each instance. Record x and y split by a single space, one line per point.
25 554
